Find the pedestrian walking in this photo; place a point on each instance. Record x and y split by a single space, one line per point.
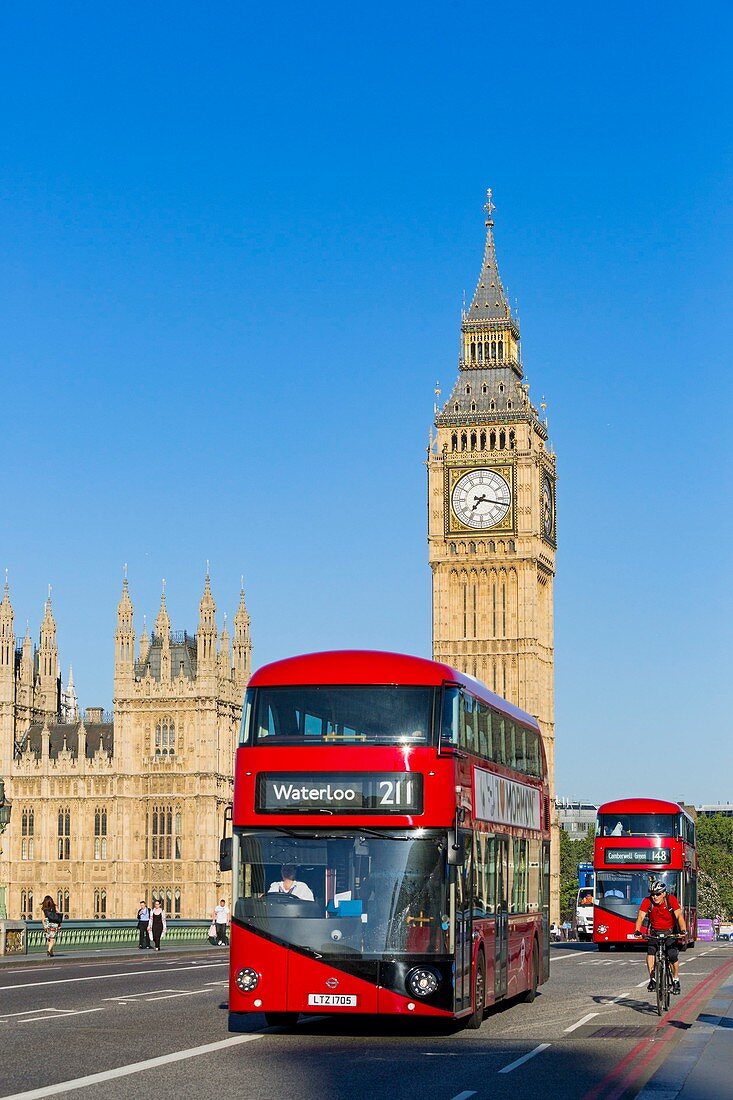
143 919
221 918
156 924
51 921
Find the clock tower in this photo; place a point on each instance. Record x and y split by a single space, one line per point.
491 515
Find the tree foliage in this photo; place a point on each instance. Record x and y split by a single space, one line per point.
572 852
715 856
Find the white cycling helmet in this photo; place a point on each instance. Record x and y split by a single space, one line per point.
656 885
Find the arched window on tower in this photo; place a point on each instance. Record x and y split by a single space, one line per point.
64 833
165 737
100 904
493 349
502 439
512 439
473 353
100 833
454 441
481 353
464 441
482 439
492 440
468 389
473 441
501 349
473 406
27 841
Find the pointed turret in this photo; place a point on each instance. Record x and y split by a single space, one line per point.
225 653
7 644
162 637
242 642
144 643
207 633
125 634
69 701
49 685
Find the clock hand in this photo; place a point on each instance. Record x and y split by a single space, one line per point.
486 500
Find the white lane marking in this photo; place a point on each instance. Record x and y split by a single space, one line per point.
63 1014
581 1022
134 1067
29 1012
104 977
561 958
132 996
179 993
526 1058
463 1096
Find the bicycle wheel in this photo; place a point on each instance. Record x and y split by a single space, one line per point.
660 977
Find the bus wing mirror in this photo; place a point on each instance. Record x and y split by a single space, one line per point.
455 849
225 853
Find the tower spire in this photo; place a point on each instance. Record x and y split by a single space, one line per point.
489 298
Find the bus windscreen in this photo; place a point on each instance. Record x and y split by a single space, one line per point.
317 715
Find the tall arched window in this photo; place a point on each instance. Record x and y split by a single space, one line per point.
100 904
501 349
26 905
165 737
62 903
454 441
100 833
27 840
64 833
165 833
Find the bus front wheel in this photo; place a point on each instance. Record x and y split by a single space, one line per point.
476 1018
281 1019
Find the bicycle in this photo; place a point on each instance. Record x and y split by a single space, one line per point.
662 969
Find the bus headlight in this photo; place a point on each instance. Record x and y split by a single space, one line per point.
247 979
422 981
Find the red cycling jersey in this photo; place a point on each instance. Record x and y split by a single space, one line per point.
662 916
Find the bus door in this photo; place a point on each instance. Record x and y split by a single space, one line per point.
463 924
501 909
545 908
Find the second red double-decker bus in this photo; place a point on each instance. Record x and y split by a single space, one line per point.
390 848
637 841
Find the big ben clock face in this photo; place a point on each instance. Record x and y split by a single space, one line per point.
481 499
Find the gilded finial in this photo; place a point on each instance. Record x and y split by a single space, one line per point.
489 208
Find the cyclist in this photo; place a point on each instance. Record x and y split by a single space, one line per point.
662 912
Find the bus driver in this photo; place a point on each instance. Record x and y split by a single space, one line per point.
288 884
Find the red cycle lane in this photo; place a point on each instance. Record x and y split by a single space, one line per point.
627 1078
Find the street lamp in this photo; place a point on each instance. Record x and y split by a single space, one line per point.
5 808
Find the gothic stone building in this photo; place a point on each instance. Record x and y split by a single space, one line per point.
491 516
111 809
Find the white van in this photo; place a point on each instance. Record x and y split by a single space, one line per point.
584 914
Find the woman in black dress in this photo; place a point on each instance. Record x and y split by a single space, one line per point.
156 924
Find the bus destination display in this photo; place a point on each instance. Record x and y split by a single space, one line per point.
638 855
368 793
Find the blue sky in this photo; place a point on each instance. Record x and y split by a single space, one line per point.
235 247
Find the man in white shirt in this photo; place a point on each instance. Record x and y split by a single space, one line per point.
290 885
221 920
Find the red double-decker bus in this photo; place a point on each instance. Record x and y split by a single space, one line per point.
390 843
637 841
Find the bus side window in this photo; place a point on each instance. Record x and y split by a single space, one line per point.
533 753
520 753
483 721
498 724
